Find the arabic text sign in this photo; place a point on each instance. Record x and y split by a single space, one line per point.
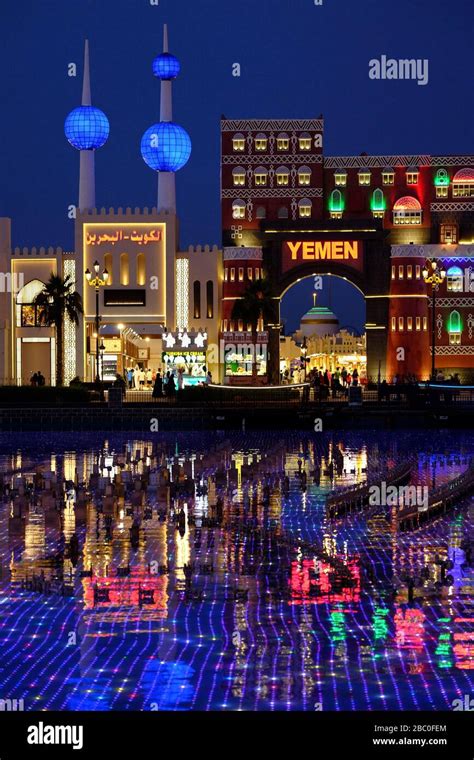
120 234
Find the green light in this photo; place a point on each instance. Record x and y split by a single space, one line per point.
378 202
441 178
336 201
454 322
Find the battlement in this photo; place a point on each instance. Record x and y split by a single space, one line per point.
41 251
201 249
120 212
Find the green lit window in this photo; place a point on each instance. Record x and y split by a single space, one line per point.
441 181
378 204
336 204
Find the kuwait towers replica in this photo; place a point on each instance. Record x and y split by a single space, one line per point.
86 128
166 146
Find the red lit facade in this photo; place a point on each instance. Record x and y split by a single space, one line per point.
277 186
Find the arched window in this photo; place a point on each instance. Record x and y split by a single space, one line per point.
124 269
238 142
210 299
197 299
454 278
388 175
27 314
238 176
282 176
364 176
441 181
304 175
454 328
108 265
238 209
336 204
283 212
407 210
283 141
261 175
261 212
463 183
304 208
304 141
141 269
261 142
340 177
378 204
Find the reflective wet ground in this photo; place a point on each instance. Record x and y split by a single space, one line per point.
203 574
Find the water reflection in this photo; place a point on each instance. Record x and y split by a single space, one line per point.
203 572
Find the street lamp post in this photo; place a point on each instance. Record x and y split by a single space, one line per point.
97 282
433 274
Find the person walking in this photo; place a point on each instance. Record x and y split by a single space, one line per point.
158 386
180 379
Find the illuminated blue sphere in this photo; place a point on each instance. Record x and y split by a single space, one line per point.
166 66
87 128
166 147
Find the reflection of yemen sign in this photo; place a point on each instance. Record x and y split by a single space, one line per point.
347 252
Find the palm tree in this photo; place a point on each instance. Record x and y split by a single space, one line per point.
256 303
56 300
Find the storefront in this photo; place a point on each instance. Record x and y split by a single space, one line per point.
187 352
241 351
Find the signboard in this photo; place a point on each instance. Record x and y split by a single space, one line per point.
347 252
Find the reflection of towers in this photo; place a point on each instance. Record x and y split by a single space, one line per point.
35 535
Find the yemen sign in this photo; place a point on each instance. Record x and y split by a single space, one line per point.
347 252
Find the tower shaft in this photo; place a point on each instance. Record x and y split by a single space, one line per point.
87 158
166 180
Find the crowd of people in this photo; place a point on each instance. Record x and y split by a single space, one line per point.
160 384
325 382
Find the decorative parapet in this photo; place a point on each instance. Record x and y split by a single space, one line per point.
200 249
433 251
235 253
41 251
271 125
120 211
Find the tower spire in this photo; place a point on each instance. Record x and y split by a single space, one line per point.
86 78
87 157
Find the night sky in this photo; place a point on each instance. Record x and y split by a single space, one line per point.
297 60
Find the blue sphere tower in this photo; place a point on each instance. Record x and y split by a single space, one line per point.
86 129
166 146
